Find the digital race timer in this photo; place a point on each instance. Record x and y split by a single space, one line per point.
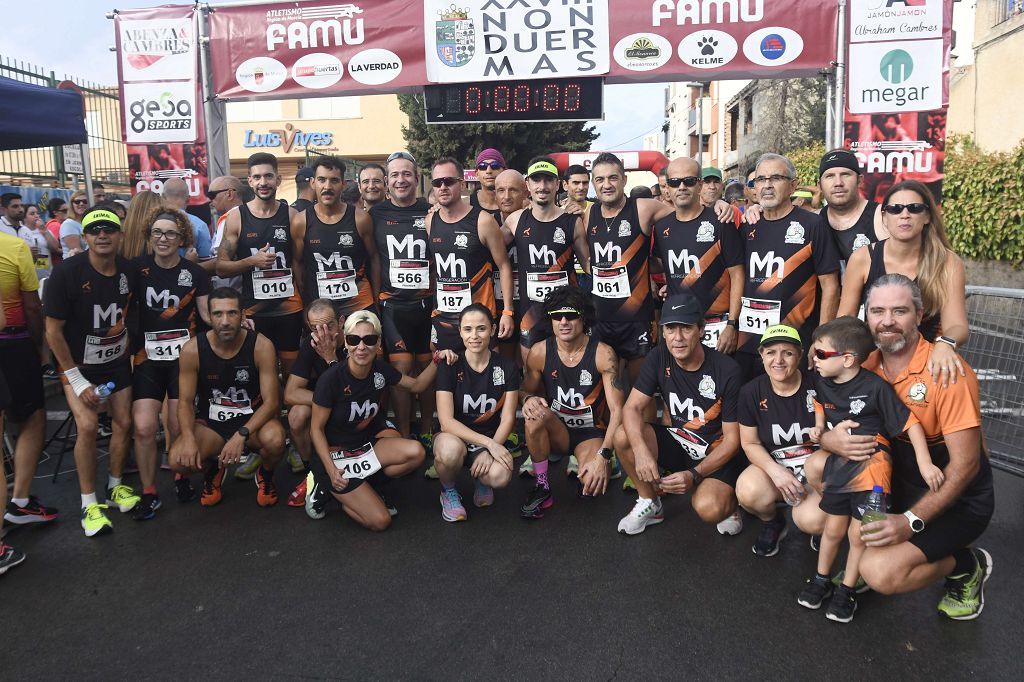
550 99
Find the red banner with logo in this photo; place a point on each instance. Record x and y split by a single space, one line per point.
161 100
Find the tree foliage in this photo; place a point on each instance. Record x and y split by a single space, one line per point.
518 142
789 115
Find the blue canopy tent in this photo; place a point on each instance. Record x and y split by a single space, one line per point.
38 116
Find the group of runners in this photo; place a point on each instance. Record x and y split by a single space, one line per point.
693 344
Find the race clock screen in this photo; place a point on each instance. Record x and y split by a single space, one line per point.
552 99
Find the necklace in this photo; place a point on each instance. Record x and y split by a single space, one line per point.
574 353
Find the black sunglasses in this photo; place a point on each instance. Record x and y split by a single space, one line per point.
560 315
896 209
105 229
369 340
211 194
689 181
80 202
447 182
484 165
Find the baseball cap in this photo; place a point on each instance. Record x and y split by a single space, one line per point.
711 172
304 174
491 154
778 333
682 308
98 218
542 167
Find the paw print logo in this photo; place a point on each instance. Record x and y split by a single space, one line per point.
707 45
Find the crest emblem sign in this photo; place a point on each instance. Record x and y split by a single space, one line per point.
456 36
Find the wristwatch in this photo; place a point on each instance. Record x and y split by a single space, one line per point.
697 478
916 523
735 324
607 453
243 432
947 339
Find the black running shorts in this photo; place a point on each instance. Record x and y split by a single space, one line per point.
673 457
282 330
406 326
153 380
19 362
629 340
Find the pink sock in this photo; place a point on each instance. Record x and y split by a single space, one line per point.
541 469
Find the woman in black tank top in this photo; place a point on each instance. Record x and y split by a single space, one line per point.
919 249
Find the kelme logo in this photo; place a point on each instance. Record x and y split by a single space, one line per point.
896 66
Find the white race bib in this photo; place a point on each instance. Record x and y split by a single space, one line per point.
497 286
540 284
224 409
453 297
410 274
99 350
574 417
269 285
793 457
611 282
359 463
166 345
713 328
695 446
336 284
861 314
758 314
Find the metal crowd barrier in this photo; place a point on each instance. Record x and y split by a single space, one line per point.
996 352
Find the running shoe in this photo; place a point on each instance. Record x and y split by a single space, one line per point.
965 594
526 468
297 498
212 482
772 533
50 373
616 469
392 509
94 521
483 495
451 505
644 513
817 590
431 472
295 461
146 508
539 500
266 491
104 427
815 543
843 605
628 484
183 489
316 499
246 469
9 557
33 512
860 588
513 443
733 525
572 469
122 497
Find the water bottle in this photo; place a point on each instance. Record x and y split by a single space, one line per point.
874 510
792 502
103 391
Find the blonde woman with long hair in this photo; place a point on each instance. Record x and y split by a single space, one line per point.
71 241
136 226
918 248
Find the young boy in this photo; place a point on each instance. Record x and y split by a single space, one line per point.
845 391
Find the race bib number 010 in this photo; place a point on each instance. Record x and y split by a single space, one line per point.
758 314
358 463
540 284
224 409
165 346
270 285
453 297
99 350
410 274
611 283
336 284
714 325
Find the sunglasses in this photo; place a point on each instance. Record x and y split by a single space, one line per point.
447 182
80 202
826 354
896 209
211 194
105 229
368 340
401 155
493 165
560 315
689 181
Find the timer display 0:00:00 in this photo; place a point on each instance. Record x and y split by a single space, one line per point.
502 99
547 99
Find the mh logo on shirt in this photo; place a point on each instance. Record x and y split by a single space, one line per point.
333 262
164 299
571 398
451 266
677 408
682 261
607 252
542 256
279 257
365 410
479 405
763 267
794 434
408 247
106 317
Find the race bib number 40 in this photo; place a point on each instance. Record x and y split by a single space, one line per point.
99 350
165 346
453 297
358 463
540 284
611 283
224 409
410 274
758 314
269 285
336 284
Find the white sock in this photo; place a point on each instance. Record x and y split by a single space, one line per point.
20 501
643 499
88 499
113 481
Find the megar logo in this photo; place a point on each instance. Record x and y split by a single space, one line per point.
896 66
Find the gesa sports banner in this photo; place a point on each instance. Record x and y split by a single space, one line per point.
653 40
293 49
161 105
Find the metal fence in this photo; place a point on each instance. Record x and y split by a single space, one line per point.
45 165
996 352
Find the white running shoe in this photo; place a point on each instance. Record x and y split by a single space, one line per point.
732 525
645 513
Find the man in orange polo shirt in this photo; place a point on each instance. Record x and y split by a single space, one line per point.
927 535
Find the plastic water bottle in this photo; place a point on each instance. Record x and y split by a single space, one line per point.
103 391
874 510
792 502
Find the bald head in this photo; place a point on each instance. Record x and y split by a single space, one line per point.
175 193
682 197
226 193
510 191
226 182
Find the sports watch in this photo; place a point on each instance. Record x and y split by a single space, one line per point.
735 324
697 478
607 453
243 432
916 523
947 339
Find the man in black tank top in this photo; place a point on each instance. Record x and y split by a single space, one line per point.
256 246
510 191
572 399
466 244
546 239
233 373
335 252
489 164
855 221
